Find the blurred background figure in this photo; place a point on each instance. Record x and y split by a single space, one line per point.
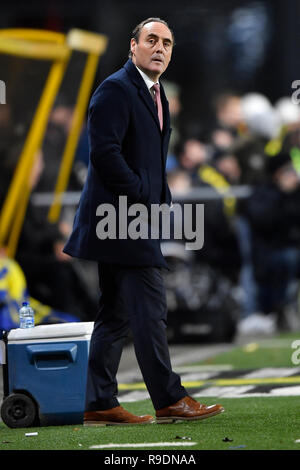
228 165
192 154
261 125
228 113
274 221
172 91
179 182
58 128
260 116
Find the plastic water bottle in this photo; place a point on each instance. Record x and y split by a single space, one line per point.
26 316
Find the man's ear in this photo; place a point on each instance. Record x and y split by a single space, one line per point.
132 45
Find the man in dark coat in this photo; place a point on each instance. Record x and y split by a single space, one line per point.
129 130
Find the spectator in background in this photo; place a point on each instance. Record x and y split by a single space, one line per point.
192 154
250 152
228 113
221 249
228 165
274 218
289 114
222 139
291 145
172 91
59 125
179 182
261 124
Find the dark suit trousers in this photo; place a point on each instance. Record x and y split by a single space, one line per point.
133 298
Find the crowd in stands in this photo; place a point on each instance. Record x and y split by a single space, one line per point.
254 145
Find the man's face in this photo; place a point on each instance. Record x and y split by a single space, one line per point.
152 52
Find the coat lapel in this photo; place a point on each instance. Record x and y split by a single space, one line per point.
148 100
166 112
144 93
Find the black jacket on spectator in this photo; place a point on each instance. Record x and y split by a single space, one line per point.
275 216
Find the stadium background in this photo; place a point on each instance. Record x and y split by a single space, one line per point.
206 60
232 65
222 48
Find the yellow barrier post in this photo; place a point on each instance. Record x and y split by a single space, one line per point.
95 45
45 51
32 145
46 45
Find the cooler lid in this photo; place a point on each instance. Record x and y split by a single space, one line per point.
2 352
57 330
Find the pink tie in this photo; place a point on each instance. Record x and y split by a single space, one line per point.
158 104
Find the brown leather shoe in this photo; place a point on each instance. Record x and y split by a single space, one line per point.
114 416
187 409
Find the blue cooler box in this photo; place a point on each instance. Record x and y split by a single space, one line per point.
46 373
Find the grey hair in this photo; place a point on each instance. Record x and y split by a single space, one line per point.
137 30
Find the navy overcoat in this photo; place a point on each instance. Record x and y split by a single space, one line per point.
128 154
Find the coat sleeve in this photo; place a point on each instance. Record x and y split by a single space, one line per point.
108 122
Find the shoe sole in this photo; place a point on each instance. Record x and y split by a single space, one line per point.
110 423
173 419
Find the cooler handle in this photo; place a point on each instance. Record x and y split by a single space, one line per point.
69 350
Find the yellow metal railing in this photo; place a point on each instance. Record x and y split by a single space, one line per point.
34 44
56 47
15 204
94 45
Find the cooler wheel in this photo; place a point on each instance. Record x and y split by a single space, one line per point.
19 411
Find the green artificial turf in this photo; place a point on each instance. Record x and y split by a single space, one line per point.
273 352
250 423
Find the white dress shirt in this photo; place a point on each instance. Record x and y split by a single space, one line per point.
150 84
148 81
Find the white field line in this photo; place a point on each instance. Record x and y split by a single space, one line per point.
143 444
204 368
242 392
268 372
284 343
